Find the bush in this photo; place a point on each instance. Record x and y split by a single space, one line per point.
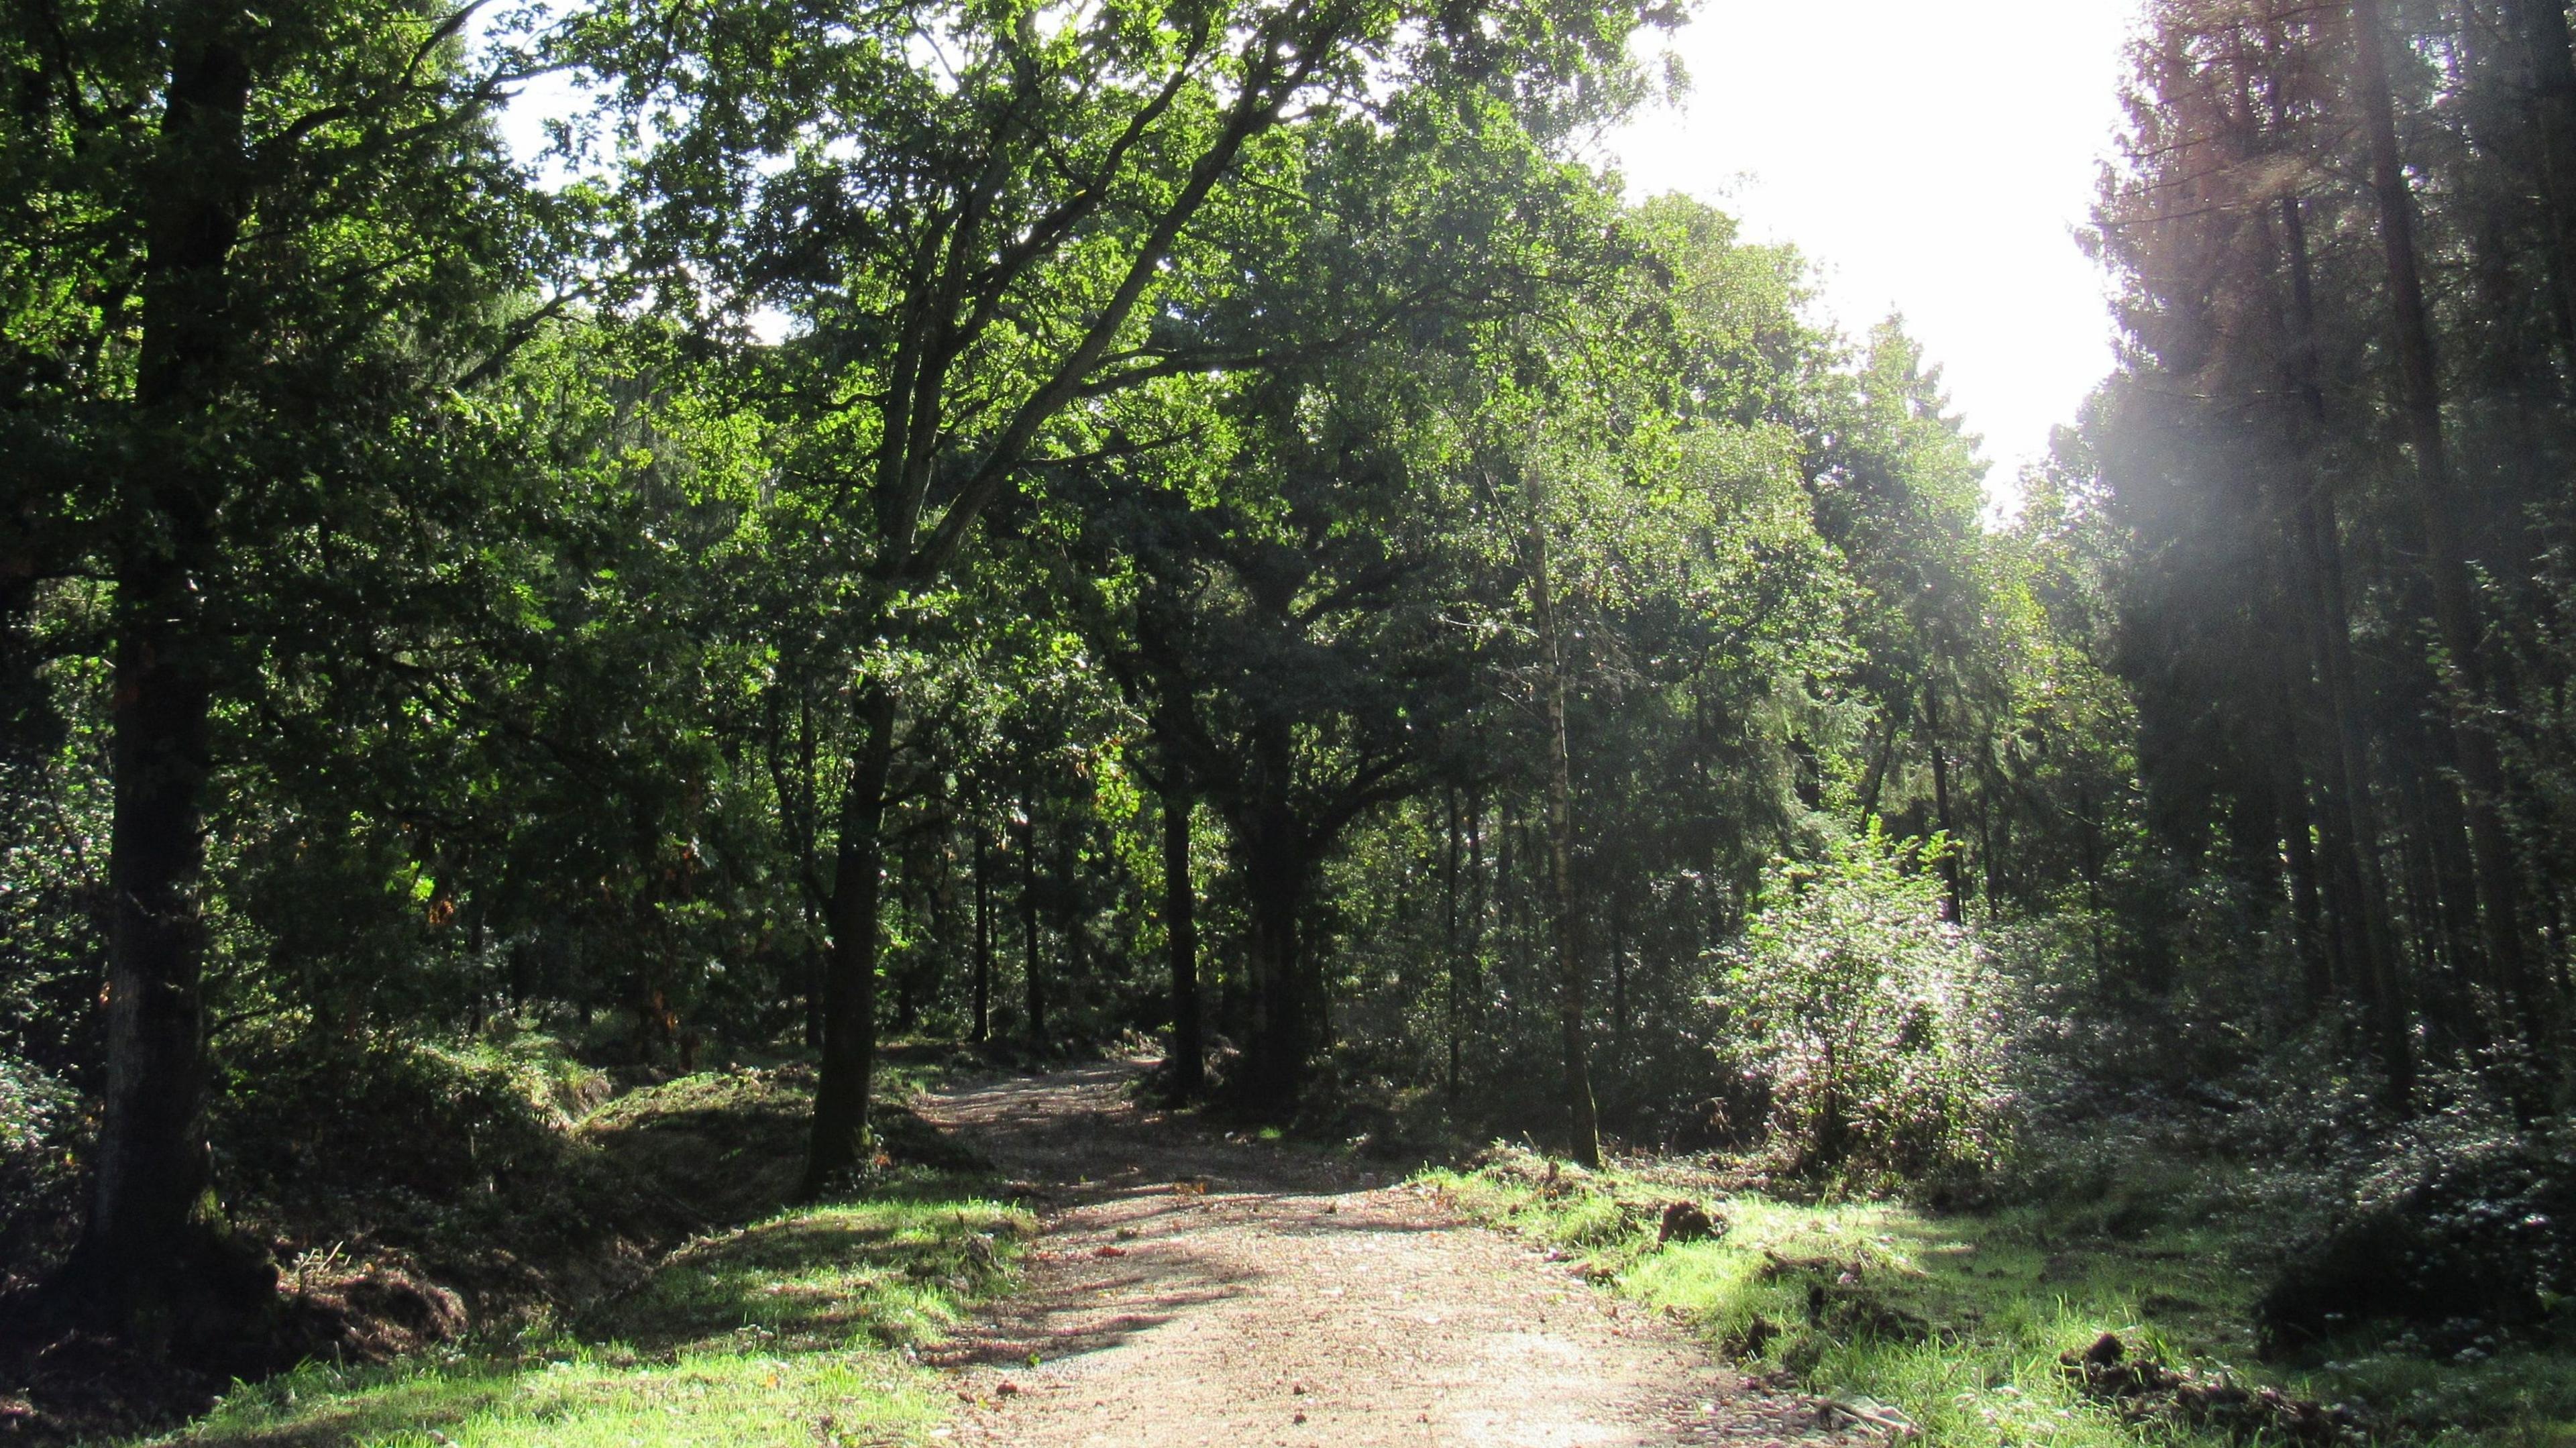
302 1107
38 1116
1876 1031
2473 1241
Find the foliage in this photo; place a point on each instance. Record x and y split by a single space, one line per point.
1879 1032
1958 1321
38 1147
796 1320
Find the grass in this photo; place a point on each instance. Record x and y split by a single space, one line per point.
798 1330
1958 1321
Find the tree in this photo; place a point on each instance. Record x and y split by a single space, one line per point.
261 246
978 215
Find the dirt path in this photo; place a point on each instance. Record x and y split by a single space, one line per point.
1195 1290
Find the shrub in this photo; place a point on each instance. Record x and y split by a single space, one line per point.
1875 1029
38 1116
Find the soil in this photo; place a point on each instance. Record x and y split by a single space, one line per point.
1195 1288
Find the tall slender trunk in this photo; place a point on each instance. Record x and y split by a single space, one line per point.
1032 975
2446 566
2299 857
1181 937
1888 726
2542 28
2354 869
1450 943
983 982
1071 963
840 1139
1618 974
154 1254
1953 883
1583 1127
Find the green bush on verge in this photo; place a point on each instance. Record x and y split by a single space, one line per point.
1877 1031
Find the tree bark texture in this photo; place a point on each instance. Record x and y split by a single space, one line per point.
840 1140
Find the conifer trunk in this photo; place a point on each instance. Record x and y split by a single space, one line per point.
2353 869
2541 26
2446 566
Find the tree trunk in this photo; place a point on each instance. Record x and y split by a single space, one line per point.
840 1140
1451 946
1583 1127
155 1257
2542 27
983 982
1281 1053
2316 969
1181 937
1953 886
1032 976
2354 869
2446 567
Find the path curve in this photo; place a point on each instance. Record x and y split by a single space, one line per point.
1193 1289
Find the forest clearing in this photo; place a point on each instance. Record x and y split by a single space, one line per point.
1157 721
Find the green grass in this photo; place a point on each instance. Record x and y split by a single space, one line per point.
1958 1320
795 1331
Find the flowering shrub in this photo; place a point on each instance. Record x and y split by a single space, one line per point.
1877 1030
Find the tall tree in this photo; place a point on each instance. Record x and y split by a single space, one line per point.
269 239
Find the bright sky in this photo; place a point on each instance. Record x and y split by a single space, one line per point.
1931 156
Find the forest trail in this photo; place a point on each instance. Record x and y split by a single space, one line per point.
1193 1289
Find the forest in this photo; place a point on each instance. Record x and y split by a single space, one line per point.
550 706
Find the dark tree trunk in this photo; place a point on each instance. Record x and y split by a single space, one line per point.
1181 936
2307 918
983 982
2354 869
1451 945
2542 26
1032 975
1583 1126
2446 567
154 1256
1071 962
840 1140
1279 1058
1953 883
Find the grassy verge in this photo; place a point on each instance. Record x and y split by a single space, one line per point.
1959 1321
797 1330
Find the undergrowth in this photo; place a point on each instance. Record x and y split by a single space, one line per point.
797 1330
1958 1321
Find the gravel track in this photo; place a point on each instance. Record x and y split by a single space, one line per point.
1191 1289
